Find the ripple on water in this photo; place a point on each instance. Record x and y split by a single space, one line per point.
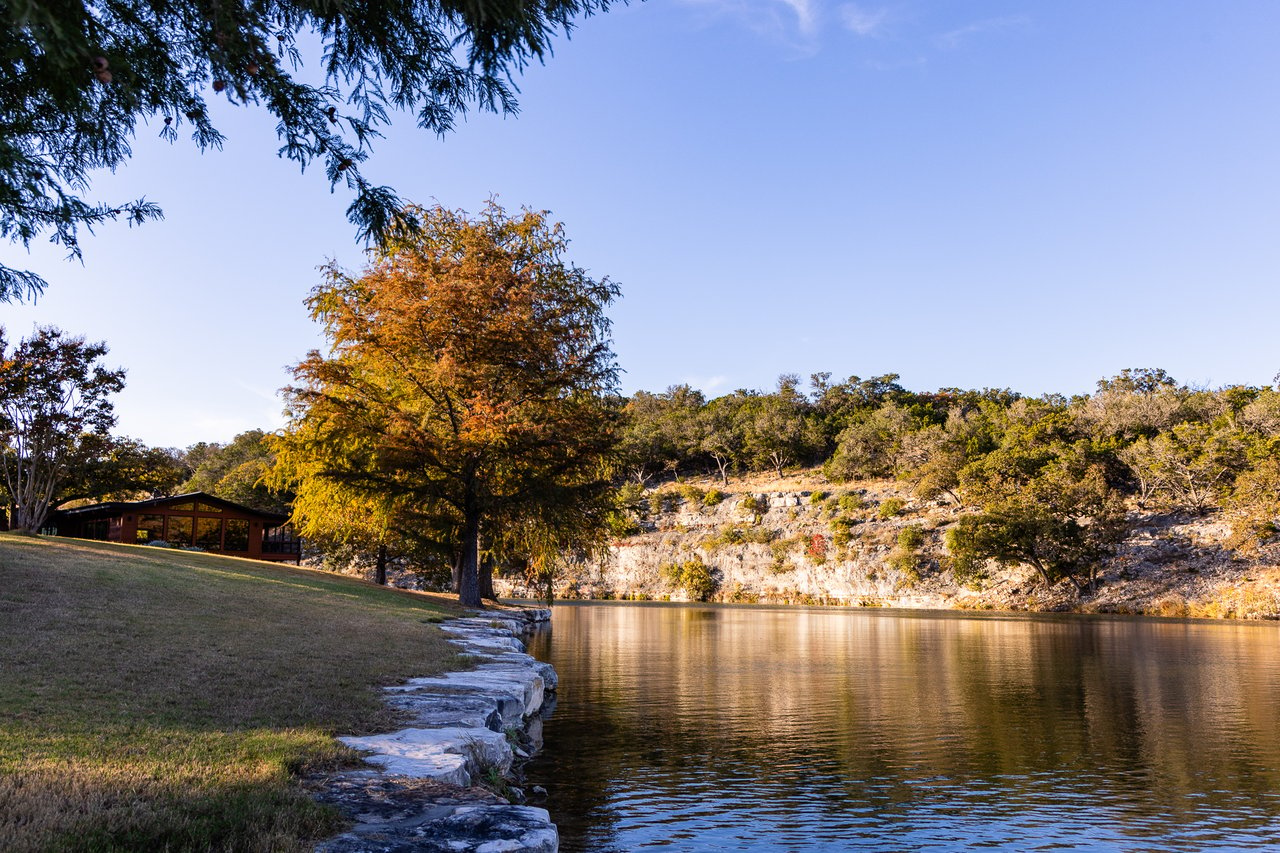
766 730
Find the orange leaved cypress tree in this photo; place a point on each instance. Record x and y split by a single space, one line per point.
466 381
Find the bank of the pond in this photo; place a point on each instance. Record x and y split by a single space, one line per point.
875 545
465 729
159 699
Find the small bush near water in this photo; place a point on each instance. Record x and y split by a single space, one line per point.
695 577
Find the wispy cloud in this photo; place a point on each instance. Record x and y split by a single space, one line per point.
706 384
955 38
806 15
795 22
861 21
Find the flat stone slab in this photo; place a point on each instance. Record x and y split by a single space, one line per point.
442 709
461 829
501 681
454 756
459 732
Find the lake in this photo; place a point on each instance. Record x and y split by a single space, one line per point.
751 728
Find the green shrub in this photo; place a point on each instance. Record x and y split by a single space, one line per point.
907 563
781 550
818 497
621 525
757 505
850 502
662 500
904 558
691 493
713 497
631 496
734 535
695 577
842 532
889 508
966 566
911 537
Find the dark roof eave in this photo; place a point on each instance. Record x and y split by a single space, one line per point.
112 507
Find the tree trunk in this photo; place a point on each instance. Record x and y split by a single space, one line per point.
469 580
1042 571
486 579
380 568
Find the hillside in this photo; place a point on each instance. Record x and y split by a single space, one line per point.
157 699
871 544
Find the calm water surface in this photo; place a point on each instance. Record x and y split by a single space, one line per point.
705 728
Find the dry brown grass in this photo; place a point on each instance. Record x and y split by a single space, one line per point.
154 699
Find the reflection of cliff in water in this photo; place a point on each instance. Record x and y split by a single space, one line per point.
695 723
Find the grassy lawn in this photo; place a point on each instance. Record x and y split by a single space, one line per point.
154 699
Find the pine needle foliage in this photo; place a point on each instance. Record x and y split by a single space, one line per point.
77 79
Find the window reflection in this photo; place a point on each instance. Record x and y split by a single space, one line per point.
180 529
150 528
237 536
209 533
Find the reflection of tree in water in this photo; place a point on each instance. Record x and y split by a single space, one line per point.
806 718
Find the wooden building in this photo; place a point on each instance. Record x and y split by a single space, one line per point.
197 519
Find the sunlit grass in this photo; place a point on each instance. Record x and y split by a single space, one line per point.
154 699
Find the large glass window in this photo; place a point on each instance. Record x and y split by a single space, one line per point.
204 507
237 538
280 540
150 528
188 506
179 532
209 533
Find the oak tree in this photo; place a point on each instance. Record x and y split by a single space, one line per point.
236 471
55 401
112 467
465 383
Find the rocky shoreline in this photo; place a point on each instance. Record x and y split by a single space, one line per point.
466 728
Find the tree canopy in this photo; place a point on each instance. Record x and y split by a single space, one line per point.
464 393
79 79
235 471
55 407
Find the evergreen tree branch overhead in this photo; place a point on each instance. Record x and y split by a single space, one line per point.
77 79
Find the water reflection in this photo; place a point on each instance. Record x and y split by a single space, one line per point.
700 728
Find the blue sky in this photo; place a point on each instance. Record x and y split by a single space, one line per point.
1025 195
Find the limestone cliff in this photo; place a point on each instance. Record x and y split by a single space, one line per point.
871 544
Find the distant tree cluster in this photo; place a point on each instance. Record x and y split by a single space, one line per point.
57 450
1047 480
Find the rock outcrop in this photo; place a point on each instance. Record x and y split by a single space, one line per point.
466 727
875 545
